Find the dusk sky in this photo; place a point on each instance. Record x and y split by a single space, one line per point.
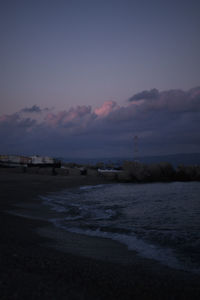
81 78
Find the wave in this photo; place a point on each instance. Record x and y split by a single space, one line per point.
165 256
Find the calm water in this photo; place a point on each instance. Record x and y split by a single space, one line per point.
160 221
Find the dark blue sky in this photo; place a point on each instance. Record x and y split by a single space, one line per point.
63 53
69 68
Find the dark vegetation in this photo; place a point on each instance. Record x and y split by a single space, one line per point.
159 172
133 171
129 171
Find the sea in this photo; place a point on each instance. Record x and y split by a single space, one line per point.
159 221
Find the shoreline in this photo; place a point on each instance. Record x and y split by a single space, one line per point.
31 268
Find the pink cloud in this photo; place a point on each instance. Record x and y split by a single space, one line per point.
174 114
3 118
106 108
72 116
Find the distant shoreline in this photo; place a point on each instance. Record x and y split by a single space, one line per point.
129 171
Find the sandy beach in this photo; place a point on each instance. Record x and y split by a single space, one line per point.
38 261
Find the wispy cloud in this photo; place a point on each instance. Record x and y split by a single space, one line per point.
33 109
152 94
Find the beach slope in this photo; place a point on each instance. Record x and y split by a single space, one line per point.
33 266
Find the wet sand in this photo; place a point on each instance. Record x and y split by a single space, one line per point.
38 261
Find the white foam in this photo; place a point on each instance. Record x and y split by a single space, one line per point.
58 207
109 171
90 187
163 255
93 211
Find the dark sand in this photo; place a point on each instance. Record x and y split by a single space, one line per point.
39 262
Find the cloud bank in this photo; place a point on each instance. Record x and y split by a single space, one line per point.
165 122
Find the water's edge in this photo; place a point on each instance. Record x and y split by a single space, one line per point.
164 255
